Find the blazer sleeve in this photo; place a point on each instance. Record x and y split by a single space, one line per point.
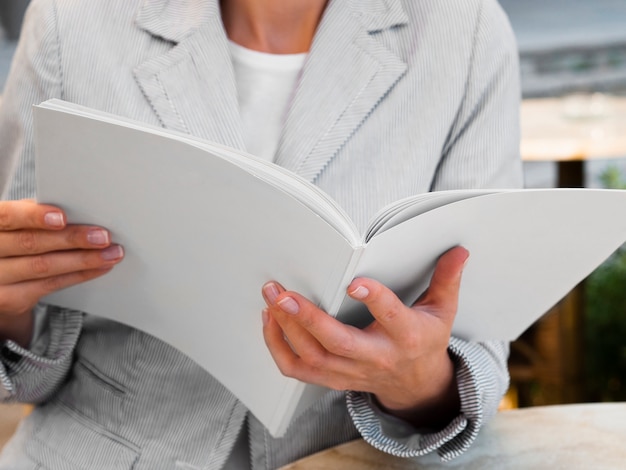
33 375
482 151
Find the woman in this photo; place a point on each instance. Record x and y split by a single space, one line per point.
372 101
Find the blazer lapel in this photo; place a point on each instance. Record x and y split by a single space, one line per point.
191 87
346 75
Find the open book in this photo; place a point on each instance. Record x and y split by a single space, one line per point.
205 226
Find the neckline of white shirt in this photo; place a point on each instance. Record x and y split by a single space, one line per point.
266 60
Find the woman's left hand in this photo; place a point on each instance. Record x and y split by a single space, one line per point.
401 357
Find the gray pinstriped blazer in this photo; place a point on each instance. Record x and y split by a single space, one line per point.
397 97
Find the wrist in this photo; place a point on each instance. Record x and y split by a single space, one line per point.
17 328
434 403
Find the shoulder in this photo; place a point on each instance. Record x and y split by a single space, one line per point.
69 20
458 30
83 16
435 34
116 19
457 19
467 11
71 27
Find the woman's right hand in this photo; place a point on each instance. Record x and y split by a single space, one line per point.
40 254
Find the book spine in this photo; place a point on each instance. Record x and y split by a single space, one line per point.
337 295
297 396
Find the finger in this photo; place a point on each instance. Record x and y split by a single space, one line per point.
302 342
443 292
445 283
271 290
293 312
324 352
384 305
280 349
27 214
30 242
293 365
26 268
21 297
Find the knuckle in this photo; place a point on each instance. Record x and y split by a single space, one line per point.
343 346
384 362
27 241
411 342
391 313
315 359
39 265
89 260
73 236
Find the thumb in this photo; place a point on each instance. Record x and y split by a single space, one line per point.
443 291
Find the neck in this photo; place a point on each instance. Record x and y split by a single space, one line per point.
274 26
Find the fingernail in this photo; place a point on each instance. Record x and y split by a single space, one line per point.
112 253
289 305
97 236
466 260
359 293
266 316
54 219
271 292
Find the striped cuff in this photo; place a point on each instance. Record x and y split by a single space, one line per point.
383 431
29 376
396 437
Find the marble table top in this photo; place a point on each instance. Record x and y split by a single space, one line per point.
588 436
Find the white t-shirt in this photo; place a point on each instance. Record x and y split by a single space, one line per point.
266 84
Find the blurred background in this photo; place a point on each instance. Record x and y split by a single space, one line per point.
573 70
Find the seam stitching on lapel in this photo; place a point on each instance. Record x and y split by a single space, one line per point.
171 105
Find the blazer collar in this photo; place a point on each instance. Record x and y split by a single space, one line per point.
191 87
347 74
